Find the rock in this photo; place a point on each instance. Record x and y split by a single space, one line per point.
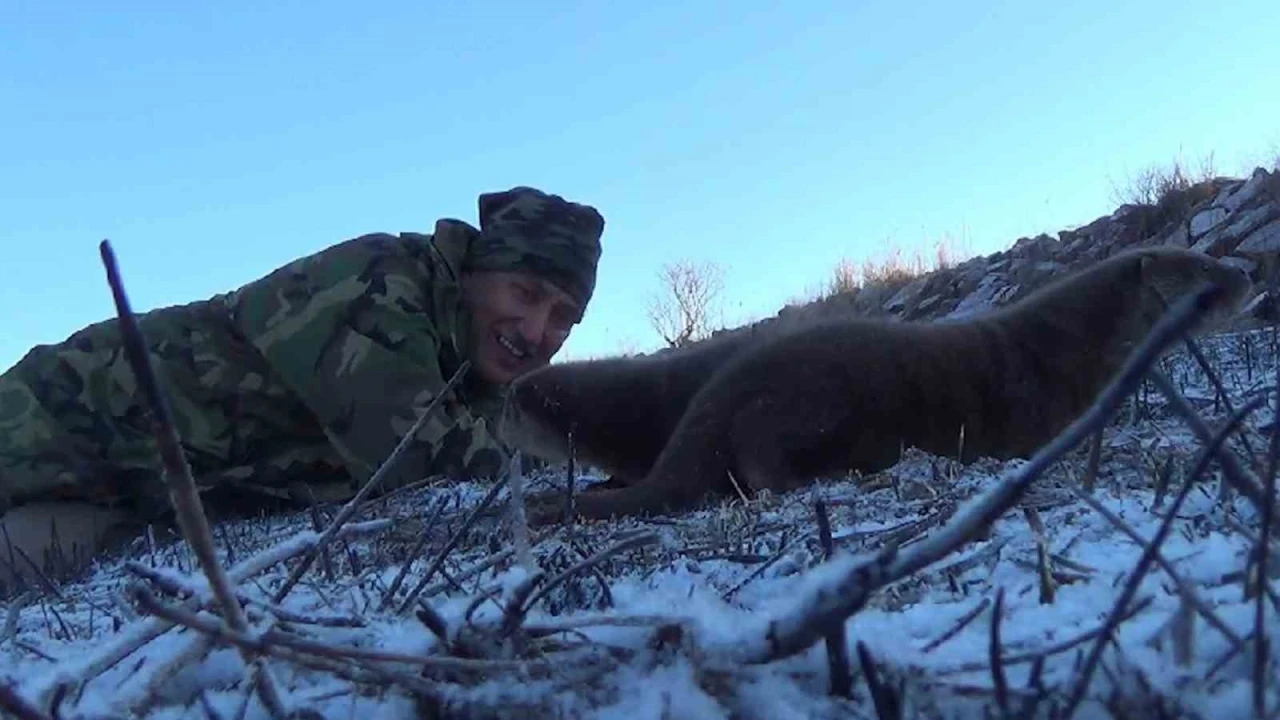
1224 195
929 303
1244 192
1253 219
1033 274
980 299
900 299
924 308
1006 295
1206 220
1265 239
1244 264
1040 247
1236 219
1180 237
1227 235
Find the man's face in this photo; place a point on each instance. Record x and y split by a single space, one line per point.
518 322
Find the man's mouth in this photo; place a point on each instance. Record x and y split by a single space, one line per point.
511 348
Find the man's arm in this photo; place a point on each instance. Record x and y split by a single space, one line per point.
352 330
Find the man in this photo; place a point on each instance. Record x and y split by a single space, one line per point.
300 384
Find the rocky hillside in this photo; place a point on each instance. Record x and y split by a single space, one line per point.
1224 217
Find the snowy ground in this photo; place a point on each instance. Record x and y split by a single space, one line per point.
676 624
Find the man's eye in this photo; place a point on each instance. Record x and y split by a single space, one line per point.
564 319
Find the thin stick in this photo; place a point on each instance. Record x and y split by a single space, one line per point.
418 547
1185 589
1144 565
177 473
961 624
519 524
838 667
994 652
467 524
22 708
1235 473
1262 651
1207 369
374 480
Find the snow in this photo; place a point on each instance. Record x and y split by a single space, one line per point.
681 610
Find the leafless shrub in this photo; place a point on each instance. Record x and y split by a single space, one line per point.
683 310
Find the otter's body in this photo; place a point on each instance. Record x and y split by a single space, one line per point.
851 394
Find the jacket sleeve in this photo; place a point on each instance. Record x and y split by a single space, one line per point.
352 330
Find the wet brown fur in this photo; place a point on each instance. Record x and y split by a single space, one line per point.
621 411
852 394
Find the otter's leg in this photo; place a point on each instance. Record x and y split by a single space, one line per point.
759 457
593 504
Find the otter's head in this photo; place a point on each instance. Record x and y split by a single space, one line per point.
1169 274
534 419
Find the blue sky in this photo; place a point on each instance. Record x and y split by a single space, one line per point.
214 142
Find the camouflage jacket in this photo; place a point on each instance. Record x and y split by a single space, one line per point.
306 377
366 333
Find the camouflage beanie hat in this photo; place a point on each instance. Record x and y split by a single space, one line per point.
528 230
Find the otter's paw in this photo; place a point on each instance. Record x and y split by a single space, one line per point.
546 509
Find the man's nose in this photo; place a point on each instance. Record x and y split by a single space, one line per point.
534 324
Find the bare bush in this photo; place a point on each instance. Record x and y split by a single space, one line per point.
1155 184
682 310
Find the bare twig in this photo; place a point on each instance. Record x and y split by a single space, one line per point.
467 524
1048 587
349 509
1262 651
1235 473
1194 349
994 649
1085 676
265 641
634 541
1055 649
1185 589
1095 456
519 525
961 624
841 676
22 708
418 547
129 642
177 473
13 615
465 574
178 586
886 699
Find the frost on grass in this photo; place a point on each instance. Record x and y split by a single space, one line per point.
668 617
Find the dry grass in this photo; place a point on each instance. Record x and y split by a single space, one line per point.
893 268
1160 184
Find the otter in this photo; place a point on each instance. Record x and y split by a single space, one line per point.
620 410
849 394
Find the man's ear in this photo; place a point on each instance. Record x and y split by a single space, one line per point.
467 283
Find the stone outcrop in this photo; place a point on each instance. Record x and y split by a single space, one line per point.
1232 218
